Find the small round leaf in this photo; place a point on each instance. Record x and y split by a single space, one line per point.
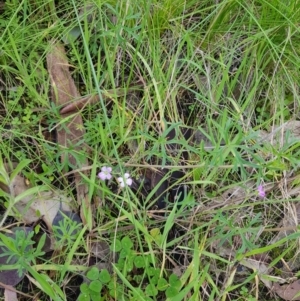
124 253
139 262
151 290
116 246
84 288
153 271
84 297
104 276
162 284
154 280
95 286
95 297
93 273
171 292
174 281
126 243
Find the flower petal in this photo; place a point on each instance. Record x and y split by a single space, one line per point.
121 181
101 176
261 191
129 181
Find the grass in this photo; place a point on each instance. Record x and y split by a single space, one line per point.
227 71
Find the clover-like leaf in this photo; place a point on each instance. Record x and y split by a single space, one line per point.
116 246
104 276
153 272
124 253
162 284
95 286
156 235
151 290
95 296
139 261
93 273
84 288
171 292
84 297
127 243
174 281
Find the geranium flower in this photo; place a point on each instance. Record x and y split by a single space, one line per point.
261 191
105 173
125 180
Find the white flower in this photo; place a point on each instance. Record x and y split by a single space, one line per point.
105 173
126 180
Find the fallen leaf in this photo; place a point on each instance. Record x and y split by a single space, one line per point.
10 295
282 134
33 206
100 249
260 267
63 91
288 291
82 102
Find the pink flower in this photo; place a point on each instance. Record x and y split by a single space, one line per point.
126 180
105 173
261 191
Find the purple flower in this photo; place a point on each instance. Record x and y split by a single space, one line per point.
125 180
105 173
261 191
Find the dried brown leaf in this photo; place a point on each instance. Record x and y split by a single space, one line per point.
288 291
100 249
64 91
45 204
10 295
278 135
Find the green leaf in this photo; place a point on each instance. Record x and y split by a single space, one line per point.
117 246
31 192
84 288
154 280
95 286
126 243
174 281
162 284
4 179
104 276
124 253
157 237
96 297
151 290
44 283
84 297
19 168
129 262
171 292
93 273
139 262
154 272
38 251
